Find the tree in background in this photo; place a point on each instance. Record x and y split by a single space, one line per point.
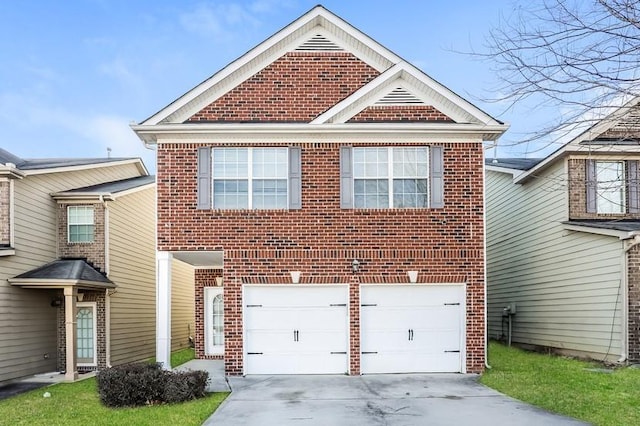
580 57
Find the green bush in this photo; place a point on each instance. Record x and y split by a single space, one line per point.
138 384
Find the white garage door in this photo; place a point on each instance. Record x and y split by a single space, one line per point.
412 328
296 329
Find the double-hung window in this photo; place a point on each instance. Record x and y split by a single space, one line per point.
610 186
385 177
80 224
250 178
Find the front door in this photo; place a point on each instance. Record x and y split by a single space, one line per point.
86 339
214 321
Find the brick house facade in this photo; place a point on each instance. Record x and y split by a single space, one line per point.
318 107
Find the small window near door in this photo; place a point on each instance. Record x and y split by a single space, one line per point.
214 320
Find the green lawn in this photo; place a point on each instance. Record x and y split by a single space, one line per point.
566 386
78 404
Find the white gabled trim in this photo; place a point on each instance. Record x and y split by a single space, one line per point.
272 48
417 82
593 131
138 162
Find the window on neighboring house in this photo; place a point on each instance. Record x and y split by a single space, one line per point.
251 178
80 224
6 221
610 186
390 177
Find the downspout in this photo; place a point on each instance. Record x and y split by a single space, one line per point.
107 326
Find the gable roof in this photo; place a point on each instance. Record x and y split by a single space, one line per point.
623 120
321 30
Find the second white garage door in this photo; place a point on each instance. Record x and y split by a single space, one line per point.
412 328
296 329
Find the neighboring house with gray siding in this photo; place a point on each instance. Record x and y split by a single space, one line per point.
562 244
77 266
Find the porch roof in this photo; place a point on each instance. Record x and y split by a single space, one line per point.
63 273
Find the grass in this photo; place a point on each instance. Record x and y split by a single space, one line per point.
566 386
78 404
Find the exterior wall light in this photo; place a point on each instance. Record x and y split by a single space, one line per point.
355 265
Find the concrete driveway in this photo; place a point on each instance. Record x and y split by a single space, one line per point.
432 399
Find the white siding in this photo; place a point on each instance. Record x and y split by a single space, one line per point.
182 304
27 321
132 269
567 285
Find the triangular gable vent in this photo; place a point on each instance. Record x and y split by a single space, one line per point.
399 96
318 43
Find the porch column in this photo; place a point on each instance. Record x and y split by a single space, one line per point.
71 331
163 308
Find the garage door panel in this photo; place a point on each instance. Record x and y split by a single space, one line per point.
296 329
412 328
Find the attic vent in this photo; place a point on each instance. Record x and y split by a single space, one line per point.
399 96
319 42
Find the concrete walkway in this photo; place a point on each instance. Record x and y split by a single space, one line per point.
215 368
435 399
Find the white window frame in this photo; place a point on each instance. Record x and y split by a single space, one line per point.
8 251
390 177
210 294
249 178
601 200
94 307
69 224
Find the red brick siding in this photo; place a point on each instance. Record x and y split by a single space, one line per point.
295 88
94 252
578 193
444 245
399 113
203 278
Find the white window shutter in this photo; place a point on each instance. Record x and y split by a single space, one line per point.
204 178
295 178
346 178
436 177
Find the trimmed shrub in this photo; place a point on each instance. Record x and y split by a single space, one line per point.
138 384
185 386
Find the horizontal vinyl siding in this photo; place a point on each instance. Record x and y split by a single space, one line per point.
182 304
132 269
27 320
567 285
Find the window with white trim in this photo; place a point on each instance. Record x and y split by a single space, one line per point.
610 186
80 224
385 177
250 178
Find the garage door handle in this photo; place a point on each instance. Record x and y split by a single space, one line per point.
296 336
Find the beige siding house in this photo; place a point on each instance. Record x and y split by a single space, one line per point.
562 253
79 233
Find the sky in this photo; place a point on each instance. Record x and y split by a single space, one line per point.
74 74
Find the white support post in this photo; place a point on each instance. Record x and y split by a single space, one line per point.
163 308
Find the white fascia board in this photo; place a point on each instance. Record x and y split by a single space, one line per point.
340 133
10 172
458 111
99 196
57 283
138 162
593 131
318 16
513 172
623 235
